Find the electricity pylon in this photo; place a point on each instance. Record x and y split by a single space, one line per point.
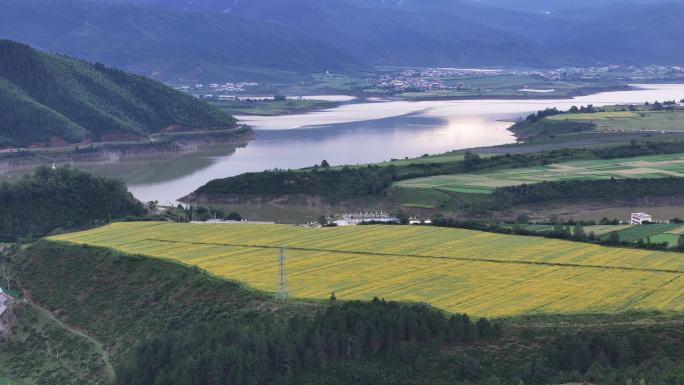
281 294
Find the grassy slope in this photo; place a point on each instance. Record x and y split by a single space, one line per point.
630 121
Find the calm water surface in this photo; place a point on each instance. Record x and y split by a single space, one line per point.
351 134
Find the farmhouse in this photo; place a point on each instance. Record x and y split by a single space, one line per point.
639 218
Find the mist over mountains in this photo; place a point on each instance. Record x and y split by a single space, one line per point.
217 40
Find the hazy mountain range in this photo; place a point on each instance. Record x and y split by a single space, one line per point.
217 40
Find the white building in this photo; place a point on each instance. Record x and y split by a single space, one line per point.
639 218
4 301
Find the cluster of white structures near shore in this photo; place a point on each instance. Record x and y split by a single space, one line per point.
371 217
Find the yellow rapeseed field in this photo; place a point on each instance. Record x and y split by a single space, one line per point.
479 273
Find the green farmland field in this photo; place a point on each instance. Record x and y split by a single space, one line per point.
483 274
659 166
636 233
629 121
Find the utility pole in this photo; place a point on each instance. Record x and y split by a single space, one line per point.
281 294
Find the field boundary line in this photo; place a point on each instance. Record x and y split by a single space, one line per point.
488 260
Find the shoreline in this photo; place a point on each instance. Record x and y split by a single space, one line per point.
585 91
15 160
365 98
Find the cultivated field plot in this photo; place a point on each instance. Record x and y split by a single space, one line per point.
483 274
659 166
668 121
595 116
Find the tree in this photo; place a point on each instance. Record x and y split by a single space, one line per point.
680 242
522 218
470 160
613 237
402 217
152 205
325 164
234 216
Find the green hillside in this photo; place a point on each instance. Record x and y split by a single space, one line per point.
47 99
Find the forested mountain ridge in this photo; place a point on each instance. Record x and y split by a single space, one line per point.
49 99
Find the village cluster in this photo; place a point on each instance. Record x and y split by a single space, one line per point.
431 79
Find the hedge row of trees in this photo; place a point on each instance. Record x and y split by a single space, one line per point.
596 189
268 351
560 231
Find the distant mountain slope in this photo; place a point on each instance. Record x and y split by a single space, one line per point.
388 36
471 32
46 98
628 33
275 40
168 45
556 5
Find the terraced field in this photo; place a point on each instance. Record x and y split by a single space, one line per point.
483 274
659 166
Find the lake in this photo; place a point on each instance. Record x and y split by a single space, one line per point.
351 134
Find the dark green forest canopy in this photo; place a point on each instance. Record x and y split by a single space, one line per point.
61 198
49 98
